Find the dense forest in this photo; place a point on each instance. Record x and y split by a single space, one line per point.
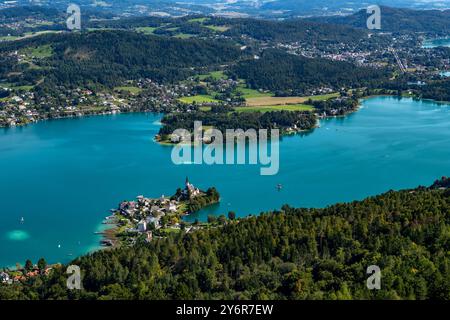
439 91
110 57
287 254
262 30
211 196
292 30
338 106
397 20
238 120
293 75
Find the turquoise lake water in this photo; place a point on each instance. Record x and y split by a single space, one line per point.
63 176
443 42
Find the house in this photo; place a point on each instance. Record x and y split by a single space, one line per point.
142 226
172 206
153 221
4 277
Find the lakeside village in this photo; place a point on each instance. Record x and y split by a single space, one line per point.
149 218
143 218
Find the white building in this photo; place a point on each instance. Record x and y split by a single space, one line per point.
4 277
142 226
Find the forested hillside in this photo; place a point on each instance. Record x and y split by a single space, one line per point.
109 57
293 30
234 120
397 20
288 254
439 91
279 71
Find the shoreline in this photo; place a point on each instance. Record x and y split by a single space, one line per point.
146 216
164 143
110 232
82 116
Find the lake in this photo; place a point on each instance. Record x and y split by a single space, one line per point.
63 176
433 43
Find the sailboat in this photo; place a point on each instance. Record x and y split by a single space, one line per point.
22 220
279 186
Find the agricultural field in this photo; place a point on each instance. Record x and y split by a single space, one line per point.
130 89
198 99
199 20
217 28
183 36
274 101
290 107
248 93
215 75
146 30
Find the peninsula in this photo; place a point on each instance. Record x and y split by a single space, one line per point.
145 218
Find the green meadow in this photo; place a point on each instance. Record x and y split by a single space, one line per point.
198 99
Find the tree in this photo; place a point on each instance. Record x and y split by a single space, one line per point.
28 265
231 215
222 219
42 264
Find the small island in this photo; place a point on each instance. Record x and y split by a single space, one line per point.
156 217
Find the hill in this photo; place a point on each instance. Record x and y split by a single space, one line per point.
107 58
294 75
397 20
288 254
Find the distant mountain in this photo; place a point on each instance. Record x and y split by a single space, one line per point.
397 20
260 8
327 7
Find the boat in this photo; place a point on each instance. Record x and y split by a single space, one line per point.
279 186
22 220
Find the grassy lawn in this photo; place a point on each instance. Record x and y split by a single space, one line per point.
258 101
23 88
37 33
248 93
273 101
41 52
14 87
91 109
27 35
216 75
169 230
323 97
198 99
199 20
8 38
146 30
217 28
183 36
291 107
130 89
